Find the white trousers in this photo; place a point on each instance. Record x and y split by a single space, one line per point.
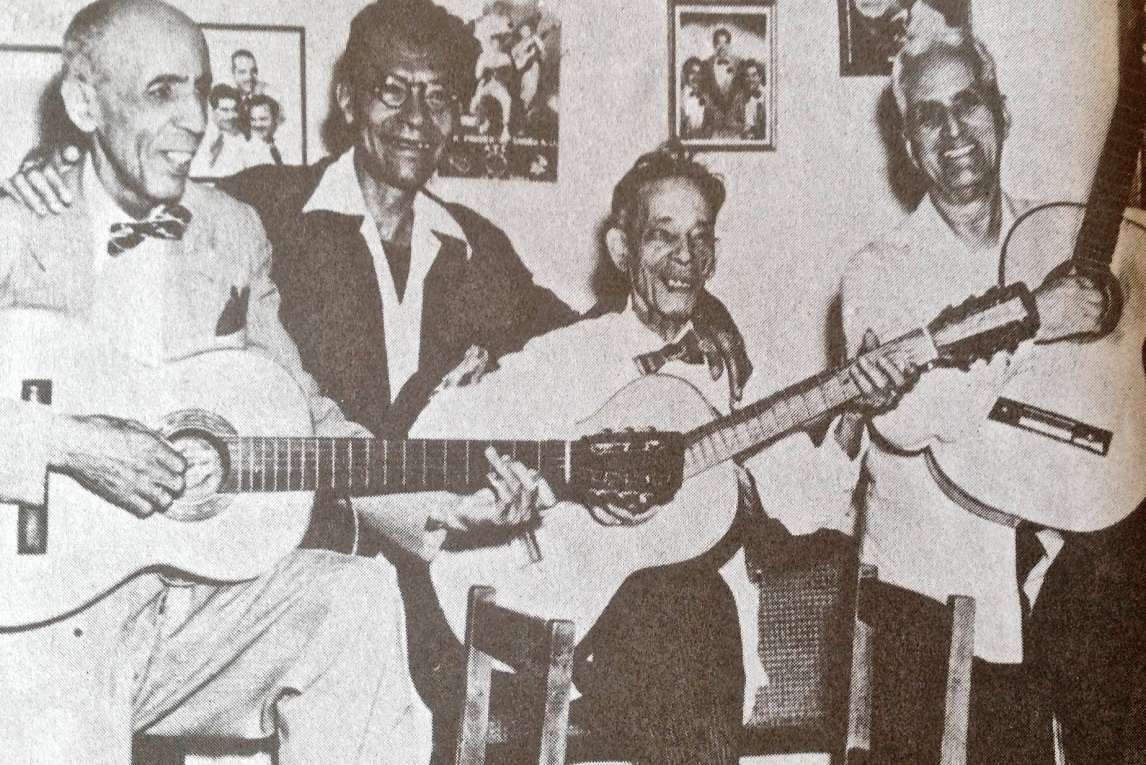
314 651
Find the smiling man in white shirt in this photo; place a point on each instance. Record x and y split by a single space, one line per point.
663 669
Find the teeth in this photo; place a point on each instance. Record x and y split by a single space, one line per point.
179 157
962 151
677 284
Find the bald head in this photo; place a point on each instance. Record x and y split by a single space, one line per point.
137 76
106 31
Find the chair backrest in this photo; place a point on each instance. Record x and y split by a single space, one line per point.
821 660
918 654
807 591
540 651
957 701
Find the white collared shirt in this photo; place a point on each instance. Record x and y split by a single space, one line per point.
339 192
915 534
128 289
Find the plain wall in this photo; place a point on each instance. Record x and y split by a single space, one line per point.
794 215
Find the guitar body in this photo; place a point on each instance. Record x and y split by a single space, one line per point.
1080 465
92 546
584 562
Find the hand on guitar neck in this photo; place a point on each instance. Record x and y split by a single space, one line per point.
1069 306
118 460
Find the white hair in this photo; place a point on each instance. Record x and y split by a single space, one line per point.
922 44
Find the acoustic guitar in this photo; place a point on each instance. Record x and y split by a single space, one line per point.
244 427
582 563
1064 442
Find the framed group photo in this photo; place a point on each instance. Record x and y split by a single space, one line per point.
510 122
722 74
257 107
873 31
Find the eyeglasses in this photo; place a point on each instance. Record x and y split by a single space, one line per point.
394 91
702 244
967 106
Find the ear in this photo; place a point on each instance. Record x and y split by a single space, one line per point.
910 152
81 104
617 243
1004 121
345 98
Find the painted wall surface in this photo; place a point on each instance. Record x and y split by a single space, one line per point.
793 216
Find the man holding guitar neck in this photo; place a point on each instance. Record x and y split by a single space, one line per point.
662 670
955 123
163 267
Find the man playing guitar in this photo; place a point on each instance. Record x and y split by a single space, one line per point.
162 267
955 123
662 671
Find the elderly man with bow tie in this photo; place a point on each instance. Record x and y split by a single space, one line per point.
662 670
161 268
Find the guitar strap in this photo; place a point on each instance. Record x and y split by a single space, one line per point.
960 497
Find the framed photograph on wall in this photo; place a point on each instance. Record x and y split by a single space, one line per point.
722 74
872 31
29 76
257 109
509 122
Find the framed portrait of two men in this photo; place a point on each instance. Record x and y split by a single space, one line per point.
722 74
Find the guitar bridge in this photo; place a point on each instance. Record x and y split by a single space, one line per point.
1052 425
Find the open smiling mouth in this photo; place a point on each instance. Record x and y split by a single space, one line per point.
410 144
959 153
679 285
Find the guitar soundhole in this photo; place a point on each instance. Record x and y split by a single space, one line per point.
206 471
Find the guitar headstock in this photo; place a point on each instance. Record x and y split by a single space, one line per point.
980 327
630 469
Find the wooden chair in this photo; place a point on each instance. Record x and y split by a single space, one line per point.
541 653
928 688
806 632
820 656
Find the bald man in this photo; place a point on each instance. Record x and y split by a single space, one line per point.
162 267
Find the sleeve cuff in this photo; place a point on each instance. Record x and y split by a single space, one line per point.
404 519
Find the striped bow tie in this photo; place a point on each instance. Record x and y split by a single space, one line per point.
168 222
687 349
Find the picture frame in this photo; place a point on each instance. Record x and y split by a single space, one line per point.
278 55
723 74
509 124
872 31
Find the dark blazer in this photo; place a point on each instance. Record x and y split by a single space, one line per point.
332 308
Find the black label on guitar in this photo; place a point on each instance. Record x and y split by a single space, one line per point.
1052 425
32 521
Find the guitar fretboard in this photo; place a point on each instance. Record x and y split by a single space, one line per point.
769 419
360 467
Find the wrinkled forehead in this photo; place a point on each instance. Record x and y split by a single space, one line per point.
939 75
677 199
390 53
